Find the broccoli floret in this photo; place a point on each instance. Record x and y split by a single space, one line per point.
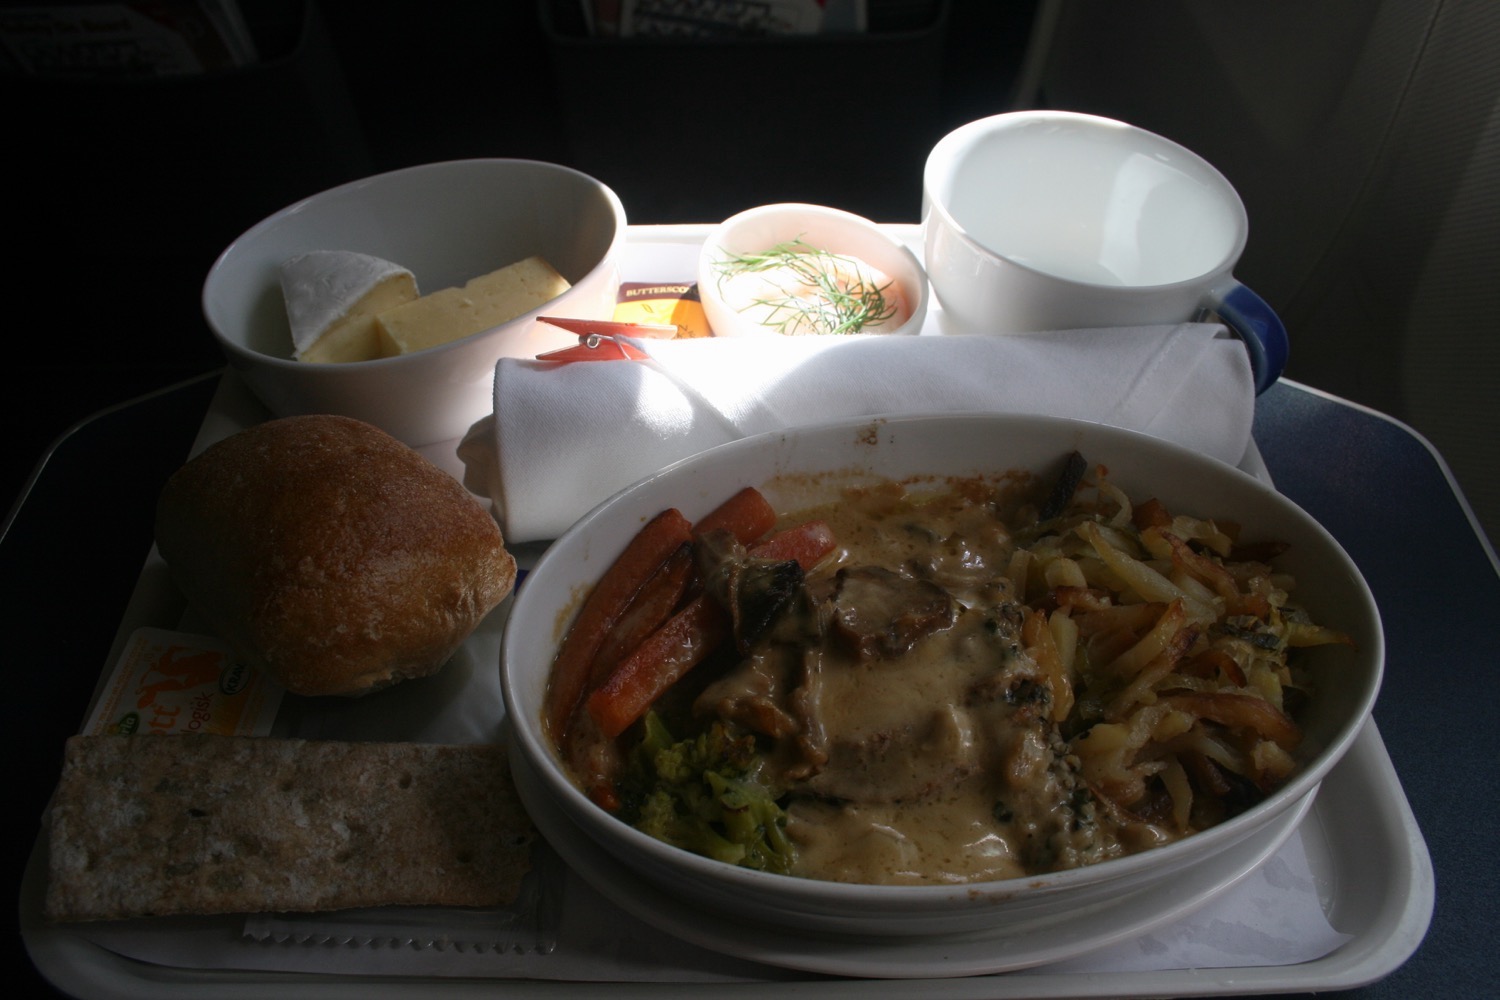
705 794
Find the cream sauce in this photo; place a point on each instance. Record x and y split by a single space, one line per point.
941 764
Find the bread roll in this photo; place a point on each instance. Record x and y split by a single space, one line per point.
330 554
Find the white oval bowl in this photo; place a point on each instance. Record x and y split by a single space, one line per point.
446 223
829 229
823 458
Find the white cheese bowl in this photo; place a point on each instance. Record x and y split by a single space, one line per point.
829 229
812 464
446 223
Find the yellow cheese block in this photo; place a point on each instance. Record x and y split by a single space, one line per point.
355 336
485 302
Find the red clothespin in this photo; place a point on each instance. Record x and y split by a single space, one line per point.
601 340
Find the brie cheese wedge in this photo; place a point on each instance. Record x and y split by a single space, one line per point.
332 300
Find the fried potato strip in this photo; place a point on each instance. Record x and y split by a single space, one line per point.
1175 639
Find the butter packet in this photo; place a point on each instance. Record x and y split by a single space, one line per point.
168 682
663 304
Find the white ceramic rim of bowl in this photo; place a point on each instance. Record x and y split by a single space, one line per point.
943 154
289 363
820 895
917 274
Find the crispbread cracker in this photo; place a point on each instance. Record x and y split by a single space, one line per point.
147 825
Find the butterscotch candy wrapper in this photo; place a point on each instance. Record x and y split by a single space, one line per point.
663 304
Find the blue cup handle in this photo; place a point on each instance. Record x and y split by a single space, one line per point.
1259 327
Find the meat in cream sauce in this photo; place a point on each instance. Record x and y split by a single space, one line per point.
913 730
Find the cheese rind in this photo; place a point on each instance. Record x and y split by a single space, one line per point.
482 303
332 299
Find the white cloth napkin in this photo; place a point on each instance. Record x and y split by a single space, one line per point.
564 437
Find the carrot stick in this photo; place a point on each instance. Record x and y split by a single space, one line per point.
643 556
689 637
653 605
595 761
807 543
658 663
579 666
747 515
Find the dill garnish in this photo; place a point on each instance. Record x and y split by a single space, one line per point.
842 299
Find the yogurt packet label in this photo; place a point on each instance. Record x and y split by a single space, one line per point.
166 683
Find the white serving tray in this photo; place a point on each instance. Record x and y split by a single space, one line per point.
1361 844
1360 836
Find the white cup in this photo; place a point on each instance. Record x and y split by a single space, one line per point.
1052 220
